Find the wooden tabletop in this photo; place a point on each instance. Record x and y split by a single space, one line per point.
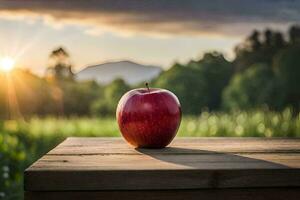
83 164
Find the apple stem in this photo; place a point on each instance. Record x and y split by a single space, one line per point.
147 85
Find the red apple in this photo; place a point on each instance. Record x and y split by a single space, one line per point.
149 118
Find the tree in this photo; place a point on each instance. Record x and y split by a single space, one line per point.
268 35
215 71
186 84
287 67
78 96
278 41
60 67
294 34
272 44
23 94
253 40
255 87
32 96
249 52
253 50
107 104
198 84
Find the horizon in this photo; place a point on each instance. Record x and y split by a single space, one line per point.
158 34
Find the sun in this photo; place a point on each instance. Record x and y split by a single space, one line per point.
7 64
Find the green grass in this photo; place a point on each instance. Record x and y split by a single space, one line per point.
242 124
21 143
235 124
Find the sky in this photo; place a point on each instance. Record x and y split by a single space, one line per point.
155 32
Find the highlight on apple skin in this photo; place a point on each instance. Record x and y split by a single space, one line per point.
149 118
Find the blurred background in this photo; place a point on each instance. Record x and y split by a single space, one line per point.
234 65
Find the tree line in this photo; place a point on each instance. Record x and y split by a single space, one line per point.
264 73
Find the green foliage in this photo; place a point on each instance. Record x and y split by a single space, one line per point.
12 163
114 91
85 92
24 94
256 87
215 72
252 87
287 68
185 83
199 84
256 50
107 104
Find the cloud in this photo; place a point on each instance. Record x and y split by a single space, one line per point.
158 17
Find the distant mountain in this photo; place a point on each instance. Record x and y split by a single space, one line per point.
129 71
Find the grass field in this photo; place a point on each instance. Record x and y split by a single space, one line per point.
21 143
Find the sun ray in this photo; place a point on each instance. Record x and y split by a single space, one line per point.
7 64
35 39
16 50
12 100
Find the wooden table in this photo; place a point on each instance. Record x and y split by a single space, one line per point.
190 168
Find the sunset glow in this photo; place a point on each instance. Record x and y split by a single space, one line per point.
99 32
7 64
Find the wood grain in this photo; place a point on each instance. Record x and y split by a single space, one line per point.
93 164
86 146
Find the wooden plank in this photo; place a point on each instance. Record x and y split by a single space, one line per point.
209 194
216 161
90 180
193 163
90 146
